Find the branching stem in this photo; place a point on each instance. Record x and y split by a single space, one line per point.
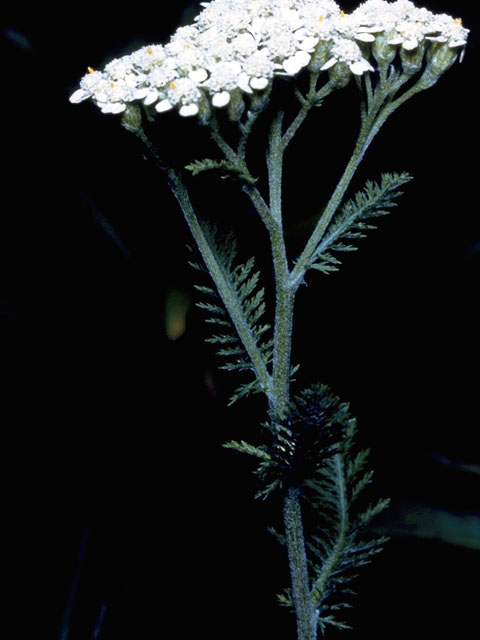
379 103
222 283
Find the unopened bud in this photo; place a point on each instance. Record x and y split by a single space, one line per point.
412 59
382 51
440 57
236 106
340 75
319 56
132 118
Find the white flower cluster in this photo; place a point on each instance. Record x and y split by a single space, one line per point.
236 47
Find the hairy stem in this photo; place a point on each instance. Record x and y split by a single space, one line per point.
373 118
297 558
279 405
222 283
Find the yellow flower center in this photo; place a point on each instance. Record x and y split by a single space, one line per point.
342 14
90 70
457 21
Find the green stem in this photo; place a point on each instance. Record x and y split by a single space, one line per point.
279 404
227 294
372 121
292 516
284 296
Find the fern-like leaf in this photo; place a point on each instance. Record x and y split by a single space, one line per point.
355 218
244 447
245 287
229 169
314 450
337 550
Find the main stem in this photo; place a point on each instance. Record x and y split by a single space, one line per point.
277 385
279 402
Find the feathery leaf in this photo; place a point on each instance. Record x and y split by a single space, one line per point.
244 285
375 200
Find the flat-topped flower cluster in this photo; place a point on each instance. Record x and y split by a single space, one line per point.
237 47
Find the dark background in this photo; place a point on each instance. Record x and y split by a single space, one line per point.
125 424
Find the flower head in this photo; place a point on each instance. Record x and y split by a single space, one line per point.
237 47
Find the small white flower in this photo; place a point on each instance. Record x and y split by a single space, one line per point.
349 52
409 35
146 58
183 91
449 30
119 69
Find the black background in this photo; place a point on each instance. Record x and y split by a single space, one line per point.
125 426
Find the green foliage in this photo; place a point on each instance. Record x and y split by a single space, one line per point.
355 218
229 169
337 548
249 298
314 450
299 446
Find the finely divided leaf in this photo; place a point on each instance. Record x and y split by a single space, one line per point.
355 218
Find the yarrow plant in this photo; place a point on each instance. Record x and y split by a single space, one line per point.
223 69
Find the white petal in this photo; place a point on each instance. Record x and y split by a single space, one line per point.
365 37
118 107
243 83
329 64
235 67
303 58
79 96
397 40
292 66
163 105
377 29
188 110
259 83
107 107
358 68
151 97
410 45
300 34
198 75
101 97
139 94
221 99
308 44
292 17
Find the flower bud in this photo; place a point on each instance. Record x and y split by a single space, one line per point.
412 59
440 57
132 118
340 74
382 51
236 106
204 112
319 56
